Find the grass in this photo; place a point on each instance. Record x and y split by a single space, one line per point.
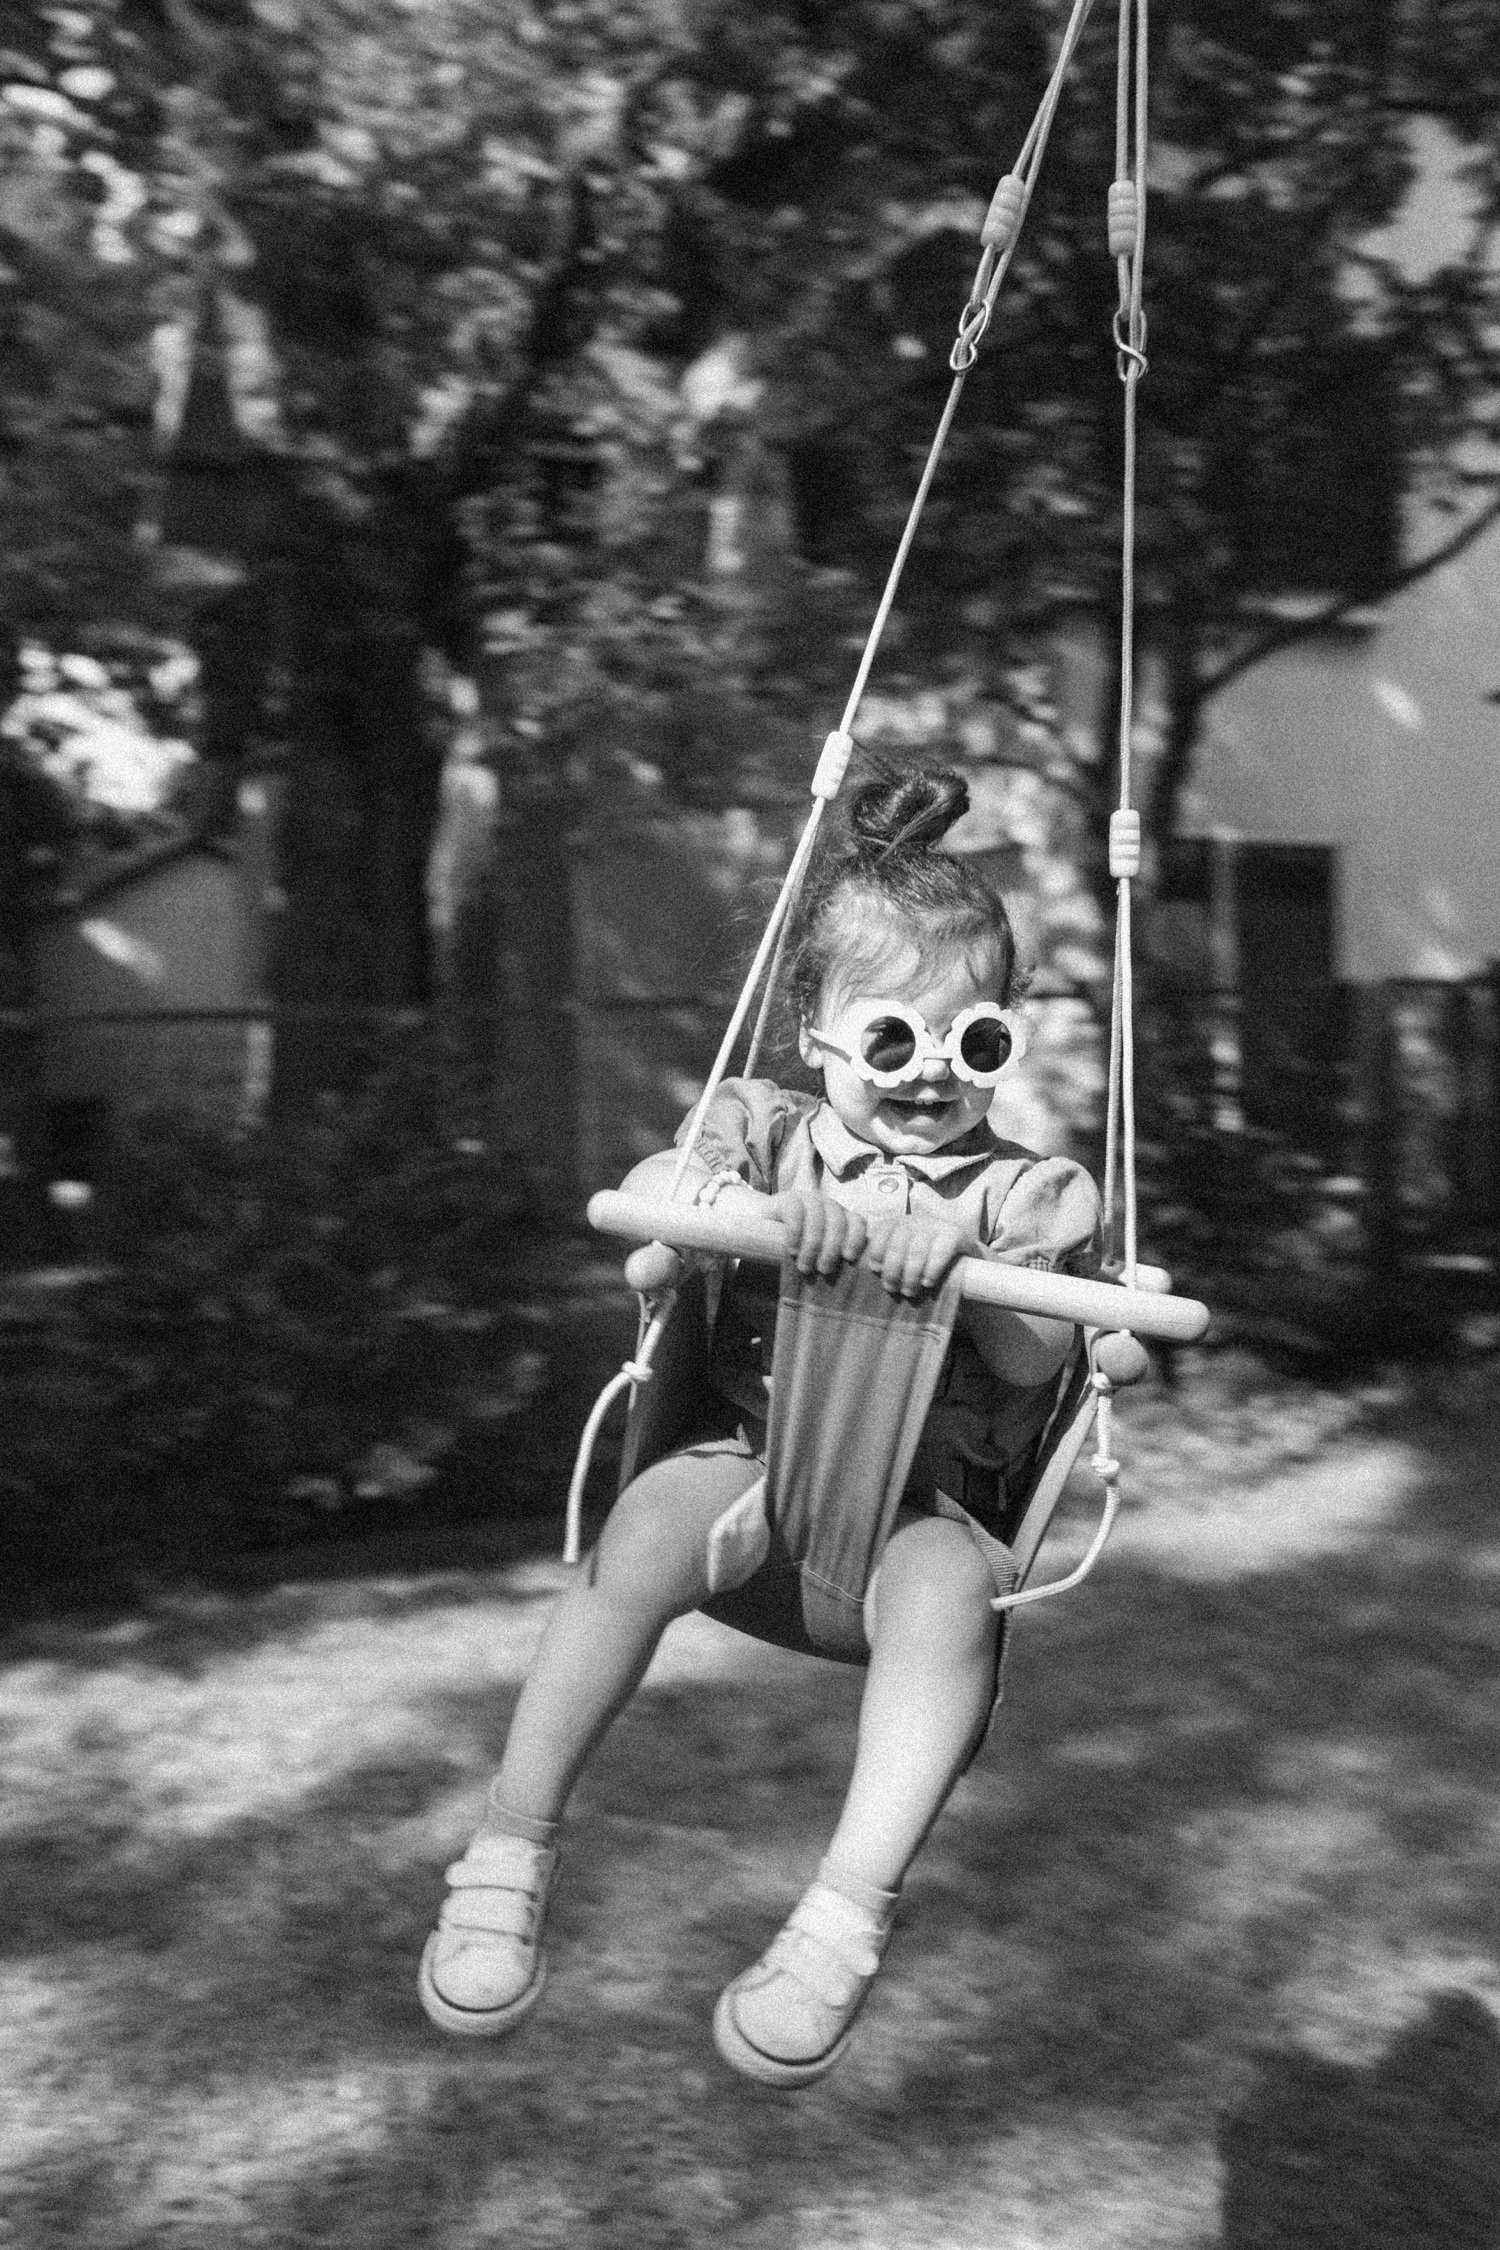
1205 1952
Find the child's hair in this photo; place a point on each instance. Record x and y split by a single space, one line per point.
887 887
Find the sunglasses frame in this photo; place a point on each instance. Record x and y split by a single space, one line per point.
857 1020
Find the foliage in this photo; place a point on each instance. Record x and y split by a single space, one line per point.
77 117
281 1328
598 346
98 743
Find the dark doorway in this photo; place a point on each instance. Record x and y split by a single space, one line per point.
1252 925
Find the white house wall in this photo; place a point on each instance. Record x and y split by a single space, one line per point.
1386 744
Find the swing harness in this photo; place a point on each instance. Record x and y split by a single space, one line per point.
814 1571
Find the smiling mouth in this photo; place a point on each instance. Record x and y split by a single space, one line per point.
933 1107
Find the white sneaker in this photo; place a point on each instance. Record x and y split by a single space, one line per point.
483 1967
788 2019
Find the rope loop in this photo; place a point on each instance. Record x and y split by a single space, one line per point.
972 323
1130 353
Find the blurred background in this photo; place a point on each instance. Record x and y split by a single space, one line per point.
452 455
451 452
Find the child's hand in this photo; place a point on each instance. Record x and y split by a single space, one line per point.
912 1254
820 1234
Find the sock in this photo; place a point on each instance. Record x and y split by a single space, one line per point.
499 1820
879 1905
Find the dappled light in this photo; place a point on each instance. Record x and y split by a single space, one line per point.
460 463
123 948
1225 1866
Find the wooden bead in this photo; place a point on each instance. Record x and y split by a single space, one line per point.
652 1267
1122 1357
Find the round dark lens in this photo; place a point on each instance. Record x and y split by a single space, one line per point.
888 1043
985 1044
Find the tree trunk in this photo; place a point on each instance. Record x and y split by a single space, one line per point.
536 1049
22 1122
1184 699
401 766
320 980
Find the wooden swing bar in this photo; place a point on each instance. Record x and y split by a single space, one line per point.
1058 1296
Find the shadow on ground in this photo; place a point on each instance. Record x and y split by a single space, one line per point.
1406 2153
1204 1953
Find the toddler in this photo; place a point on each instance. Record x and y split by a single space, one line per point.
901 964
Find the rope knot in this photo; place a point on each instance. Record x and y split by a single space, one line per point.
972 323
1130 354
639 1370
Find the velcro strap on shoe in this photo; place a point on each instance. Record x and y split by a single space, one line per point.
497 1886
513 1862
496 1913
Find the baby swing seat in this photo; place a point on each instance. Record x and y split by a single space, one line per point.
853 1378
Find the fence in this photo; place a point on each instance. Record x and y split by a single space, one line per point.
1391 1092
1424 1106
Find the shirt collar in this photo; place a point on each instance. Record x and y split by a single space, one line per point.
844 1155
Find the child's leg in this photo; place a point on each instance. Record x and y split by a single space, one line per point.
651 1565
927 1702
483 1967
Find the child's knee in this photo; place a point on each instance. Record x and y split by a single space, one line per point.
935 1583
653 1550
641 1544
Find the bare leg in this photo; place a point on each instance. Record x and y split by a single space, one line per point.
649 1567
927 1698
483 1968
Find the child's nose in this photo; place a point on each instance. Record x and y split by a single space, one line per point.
934 1067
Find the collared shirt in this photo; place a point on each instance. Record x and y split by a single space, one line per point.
1029 1210
1025 1209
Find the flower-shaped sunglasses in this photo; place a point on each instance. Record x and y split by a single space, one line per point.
889 1044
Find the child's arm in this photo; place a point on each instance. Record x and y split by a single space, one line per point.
820 1234
912 1255
1049 1218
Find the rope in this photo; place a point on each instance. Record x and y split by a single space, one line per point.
637 1370
1127 241
999 236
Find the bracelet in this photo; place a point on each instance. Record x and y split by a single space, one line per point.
713 1187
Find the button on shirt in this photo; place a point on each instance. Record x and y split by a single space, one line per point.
881 1191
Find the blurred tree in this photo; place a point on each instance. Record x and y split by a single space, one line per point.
595 344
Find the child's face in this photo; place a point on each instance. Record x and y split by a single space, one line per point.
924 1115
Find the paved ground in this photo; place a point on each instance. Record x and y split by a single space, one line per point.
1206 1952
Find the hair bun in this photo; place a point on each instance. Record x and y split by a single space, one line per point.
912 814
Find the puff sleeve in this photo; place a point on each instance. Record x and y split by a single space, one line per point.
747 1121
1050 1218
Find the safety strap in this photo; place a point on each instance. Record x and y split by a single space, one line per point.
852 1380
